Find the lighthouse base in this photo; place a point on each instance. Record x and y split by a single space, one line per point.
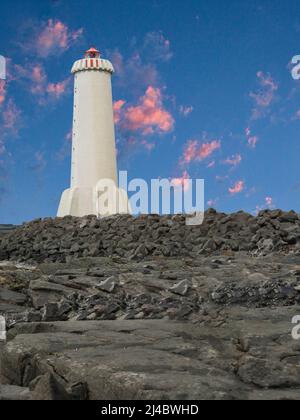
102 201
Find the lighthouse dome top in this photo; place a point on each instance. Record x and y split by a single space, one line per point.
92 61
92 53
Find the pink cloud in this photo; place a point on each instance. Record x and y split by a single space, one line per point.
265 97
118 105
149 116
36 80
186 110
269 201
212 203
212 164
56 37
11 118
38 74
234 160
57 89
147 145
2 91
237 188
196 151
183 181
251 140
269 204
10 124
207 149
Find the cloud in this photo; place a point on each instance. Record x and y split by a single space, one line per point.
65 149
213 202
10 123
129 146
132 72
34 76
182 182
149 146
138 69
118 105
269 201
148 117
40 162
234 160
11 118
2 92
237 188
265 96
268 204
57 89
68 136
36 81
157 47
186 110
55 37
143 114
196 151
251 140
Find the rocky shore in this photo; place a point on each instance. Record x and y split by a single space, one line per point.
149 308
59 240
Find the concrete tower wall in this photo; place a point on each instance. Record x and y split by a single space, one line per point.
93 151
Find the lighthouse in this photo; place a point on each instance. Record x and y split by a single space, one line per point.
94 163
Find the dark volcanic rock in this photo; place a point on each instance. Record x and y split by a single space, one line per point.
137 238
249 357
131 308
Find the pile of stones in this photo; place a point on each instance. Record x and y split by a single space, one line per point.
181 289
60 240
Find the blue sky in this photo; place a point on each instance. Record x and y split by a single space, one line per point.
217 74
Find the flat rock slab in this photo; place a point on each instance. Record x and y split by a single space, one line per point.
8 296
250 355
13 393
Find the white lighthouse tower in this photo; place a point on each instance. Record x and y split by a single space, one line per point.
94 160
